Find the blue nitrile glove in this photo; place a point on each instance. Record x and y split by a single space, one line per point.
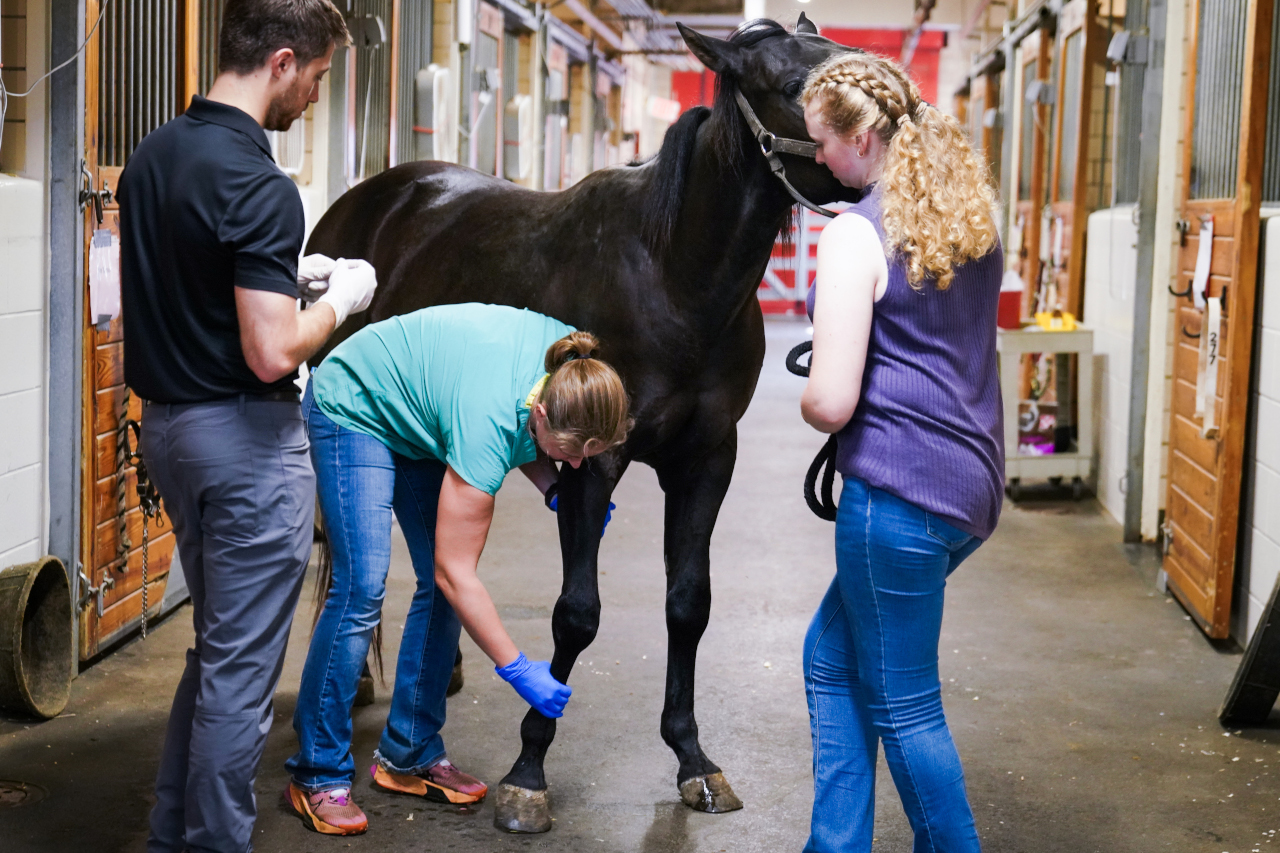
553 501
536 685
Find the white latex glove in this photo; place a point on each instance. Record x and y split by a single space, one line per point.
313 276
351 287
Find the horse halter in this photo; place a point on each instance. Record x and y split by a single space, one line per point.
770 145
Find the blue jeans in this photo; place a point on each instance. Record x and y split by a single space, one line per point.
360 482
871 676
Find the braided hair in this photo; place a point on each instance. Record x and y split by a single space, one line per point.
936 196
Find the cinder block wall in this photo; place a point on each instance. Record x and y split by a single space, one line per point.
22 382
1259 557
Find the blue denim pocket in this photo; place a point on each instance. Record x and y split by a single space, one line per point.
949 535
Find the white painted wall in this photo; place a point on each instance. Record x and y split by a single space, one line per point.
1259 559
1155 460
23 346
1110 273
23 290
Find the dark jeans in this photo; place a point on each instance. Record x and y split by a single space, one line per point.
361 482
237 483
871 675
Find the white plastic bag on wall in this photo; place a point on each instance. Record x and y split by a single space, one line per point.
104 278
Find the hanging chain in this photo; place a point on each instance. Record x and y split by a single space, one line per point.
148 496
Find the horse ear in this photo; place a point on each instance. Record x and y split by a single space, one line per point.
804 25
717 54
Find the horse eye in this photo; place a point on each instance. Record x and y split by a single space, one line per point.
792 89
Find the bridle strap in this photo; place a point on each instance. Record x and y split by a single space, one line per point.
771 145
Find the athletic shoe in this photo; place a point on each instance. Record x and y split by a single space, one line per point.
331 812
442 783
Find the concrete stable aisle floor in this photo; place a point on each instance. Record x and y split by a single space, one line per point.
1082 701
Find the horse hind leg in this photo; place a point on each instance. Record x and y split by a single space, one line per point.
521 803
694 494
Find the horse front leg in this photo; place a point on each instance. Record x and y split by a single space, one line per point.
521 803
694 494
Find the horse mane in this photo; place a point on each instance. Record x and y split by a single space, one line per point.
729 132
662 205
727 127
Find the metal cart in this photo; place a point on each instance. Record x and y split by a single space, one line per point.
1078 465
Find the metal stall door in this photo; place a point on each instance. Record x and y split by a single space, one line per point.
1223 170
1080 180
138 75
369 89
557 116
486 92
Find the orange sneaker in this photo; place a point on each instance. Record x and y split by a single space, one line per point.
442 783
331 812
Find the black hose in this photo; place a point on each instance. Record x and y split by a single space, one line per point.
824 507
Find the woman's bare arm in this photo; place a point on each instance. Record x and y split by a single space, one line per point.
851 274
462 525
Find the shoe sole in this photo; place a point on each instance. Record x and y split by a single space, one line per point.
298 802
418 787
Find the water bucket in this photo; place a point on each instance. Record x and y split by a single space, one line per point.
35 638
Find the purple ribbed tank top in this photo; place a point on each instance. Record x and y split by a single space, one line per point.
928 426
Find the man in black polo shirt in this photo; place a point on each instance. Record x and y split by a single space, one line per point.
211 230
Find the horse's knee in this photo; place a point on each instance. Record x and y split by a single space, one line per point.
689 608
575 622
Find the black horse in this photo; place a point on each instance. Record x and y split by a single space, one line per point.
661 261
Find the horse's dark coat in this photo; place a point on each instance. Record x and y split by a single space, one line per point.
661 262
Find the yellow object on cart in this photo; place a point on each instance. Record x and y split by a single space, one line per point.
1056 321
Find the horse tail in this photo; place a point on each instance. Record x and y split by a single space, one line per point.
324 582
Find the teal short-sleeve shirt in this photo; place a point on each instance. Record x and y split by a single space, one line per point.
450 382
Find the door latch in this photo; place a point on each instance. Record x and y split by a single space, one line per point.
88 195
88 590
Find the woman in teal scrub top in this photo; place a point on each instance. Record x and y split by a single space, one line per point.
424 415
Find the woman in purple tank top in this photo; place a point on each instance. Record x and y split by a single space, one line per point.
904 373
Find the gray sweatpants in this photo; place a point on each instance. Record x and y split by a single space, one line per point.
237 482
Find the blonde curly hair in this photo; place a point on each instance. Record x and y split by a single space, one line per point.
937 202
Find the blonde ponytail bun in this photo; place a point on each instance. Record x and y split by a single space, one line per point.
572 346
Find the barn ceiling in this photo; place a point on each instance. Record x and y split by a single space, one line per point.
698 7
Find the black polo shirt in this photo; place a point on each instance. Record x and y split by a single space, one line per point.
204 209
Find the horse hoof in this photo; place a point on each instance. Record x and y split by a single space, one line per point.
709 794
455 681
521 809
364 692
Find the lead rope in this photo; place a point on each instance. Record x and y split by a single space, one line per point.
148 502
123 544
823 507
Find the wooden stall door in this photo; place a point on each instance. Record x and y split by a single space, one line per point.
1074 189
1226 116
137 76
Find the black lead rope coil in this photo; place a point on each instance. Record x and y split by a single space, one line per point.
824 507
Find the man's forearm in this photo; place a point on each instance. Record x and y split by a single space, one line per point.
315 325
275 336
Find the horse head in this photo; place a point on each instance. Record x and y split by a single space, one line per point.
769 66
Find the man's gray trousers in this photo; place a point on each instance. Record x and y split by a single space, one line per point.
236 480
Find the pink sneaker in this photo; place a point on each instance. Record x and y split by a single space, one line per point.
331 812
442 783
